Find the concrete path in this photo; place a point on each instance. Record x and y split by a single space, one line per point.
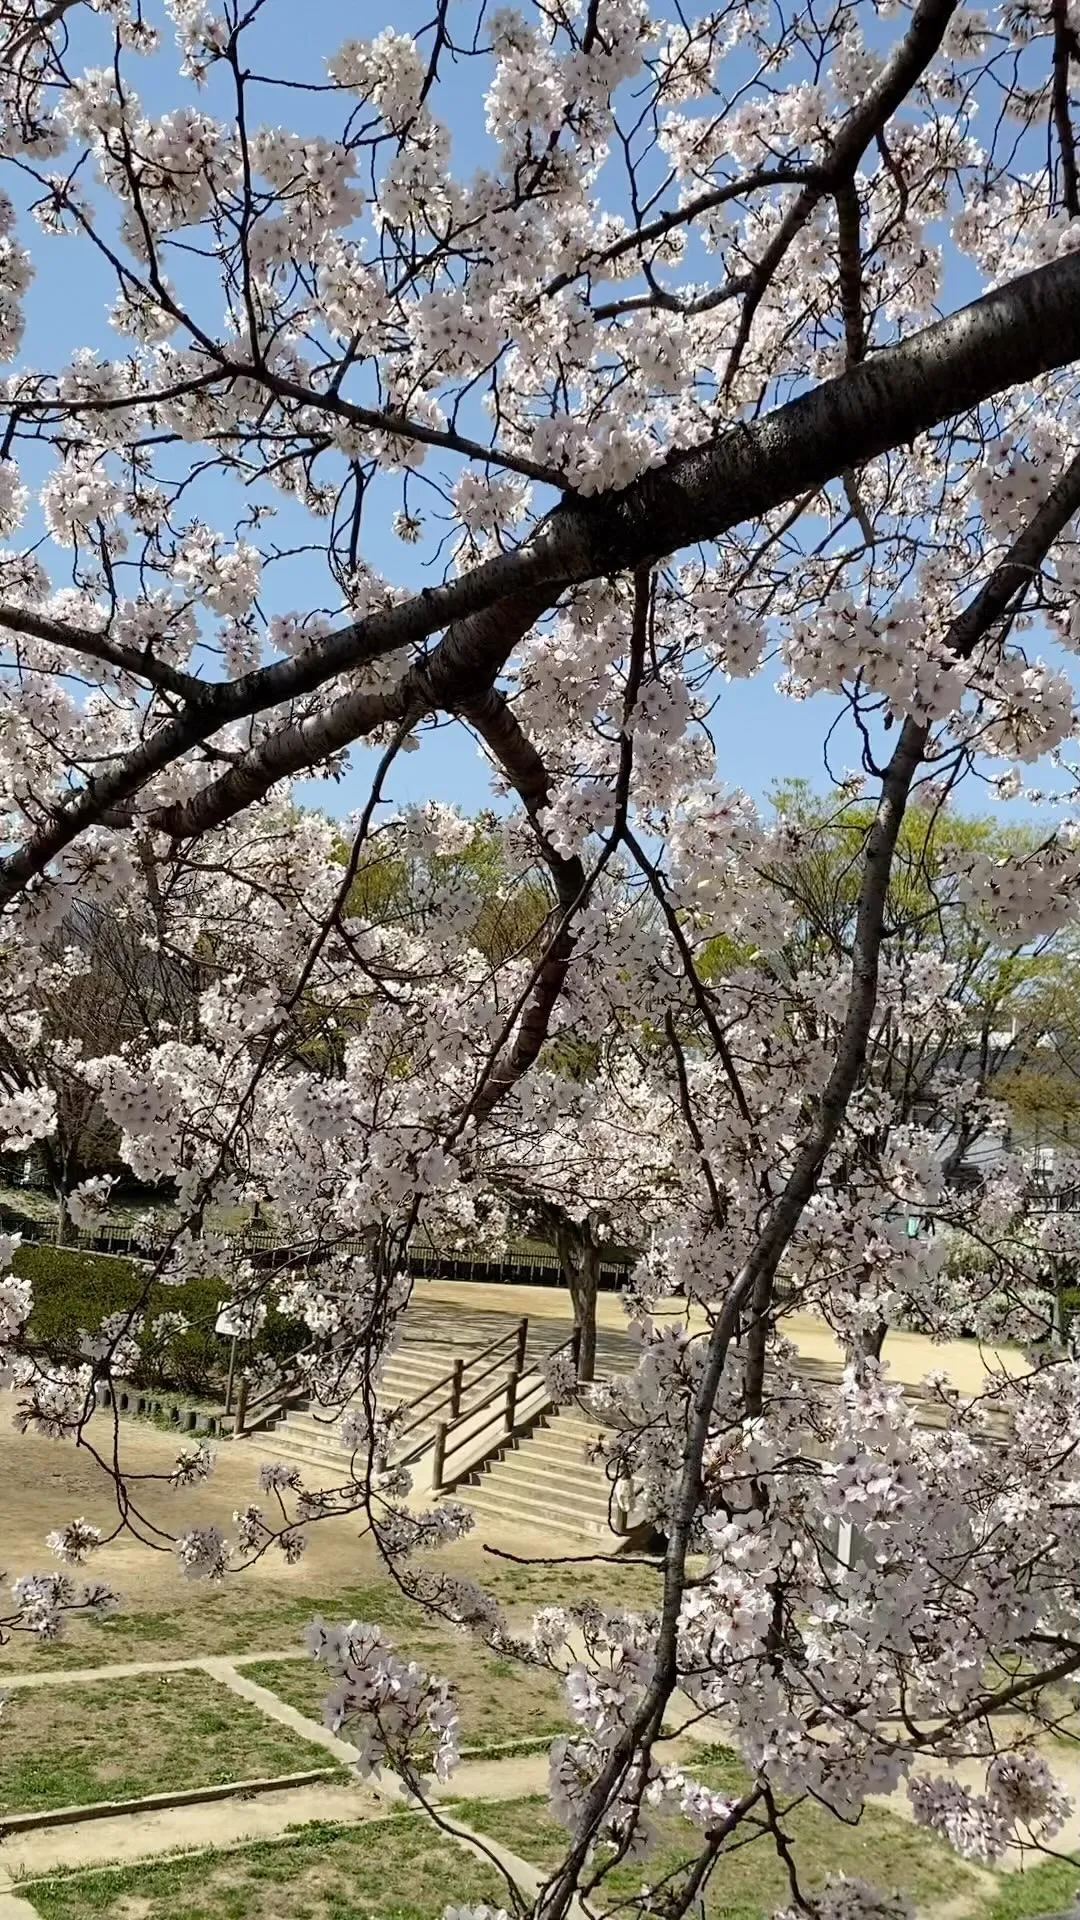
218 1824
137 1669
145 1836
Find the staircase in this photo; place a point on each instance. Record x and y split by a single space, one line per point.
544 1482
541 1480
308 1433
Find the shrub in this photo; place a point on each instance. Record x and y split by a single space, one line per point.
74 1290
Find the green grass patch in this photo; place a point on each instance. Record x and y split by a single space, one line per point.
240 1616
1050 1887
503 1704
749 1882
120 1739
251 1615
396 1869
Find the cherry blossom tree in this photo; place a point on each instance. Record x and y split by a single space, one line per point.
746 345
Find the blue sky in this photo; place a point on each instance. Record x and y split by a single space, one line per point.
760 736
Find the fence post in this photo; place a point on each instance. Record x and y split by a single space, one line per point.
522 1342
241 1404
511 1402
438 1458
455 1389
575 1348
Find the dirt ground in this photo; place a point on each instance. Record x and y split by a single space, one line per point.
261 1608
909 1355
47 1482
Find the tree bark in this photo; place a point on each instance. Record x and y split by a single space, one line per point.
579 1261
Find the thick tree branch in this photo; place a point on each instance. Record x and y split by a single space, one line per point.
140 663
1063 50
1009 337
458 670
849 257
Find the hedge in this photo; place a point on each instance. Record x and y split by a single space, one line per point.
75 1290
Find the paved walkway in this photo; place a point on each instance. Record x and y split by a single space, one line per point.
94 1842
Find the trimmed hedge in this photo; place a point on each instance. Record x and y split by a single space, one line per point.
75 1290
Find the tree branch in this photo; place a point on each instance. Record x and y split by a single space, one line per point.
1008 337
1063 48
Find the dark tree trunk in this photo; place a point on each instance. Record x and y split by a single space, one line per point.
872 1341
579 1258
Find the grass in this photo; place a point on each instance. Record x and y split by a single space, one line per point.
244 1617
503 1705
1051 1887
120 1739
237 1617
396 1869
750 1882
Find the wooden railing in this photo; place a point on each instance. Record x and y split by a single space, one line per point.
255 1411
455 1434
453 1385
252 1413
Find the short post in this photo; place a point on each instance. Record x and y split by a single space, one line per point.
511 1400
438 1459
575 1348
522 1342
241 1404
455 1388
232 1375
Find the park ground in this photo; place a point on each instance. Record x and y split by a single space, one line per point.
187 1689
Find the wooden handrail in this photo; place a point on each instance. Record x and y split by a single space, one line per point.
266 1404
501 1430
457 1373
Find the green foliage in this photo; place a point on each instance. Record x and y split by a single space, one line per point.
75 1290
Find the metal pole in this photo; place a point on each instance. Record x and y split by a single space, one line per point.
522 1342
232 1373
438 1459
511 1401
455 1389
241 1404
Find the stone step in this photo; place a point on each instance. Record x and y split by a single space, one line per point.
310 1426
561 1460
316 1426
300 1453
570 1440
517 1469
495 1508
520 1465
537 1493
